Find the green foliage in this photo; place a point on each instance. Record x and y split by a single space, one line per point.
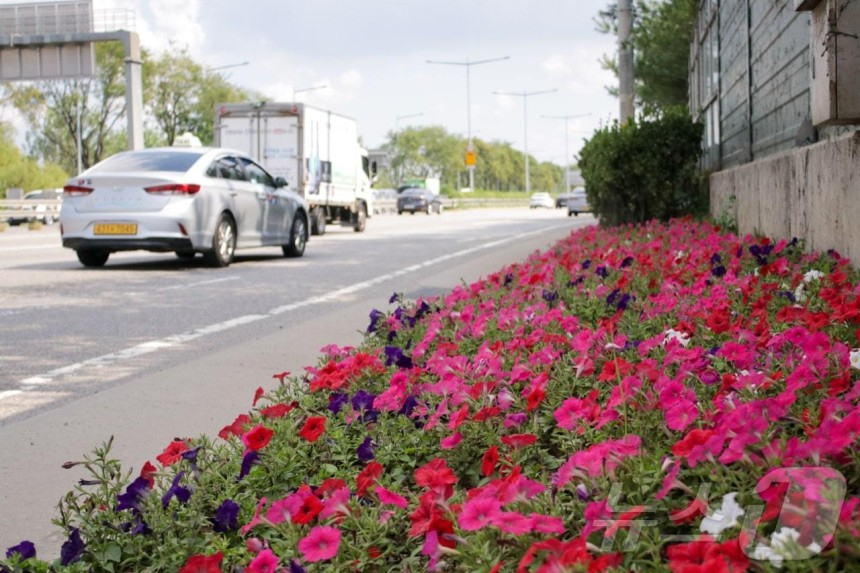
433 152
646 170
19 171
662 33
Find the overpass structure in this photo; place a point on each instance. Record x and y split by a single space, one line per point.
54 40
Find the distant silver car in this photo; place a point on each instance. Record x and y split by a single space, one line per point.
42 212
185 200
541 200
578 202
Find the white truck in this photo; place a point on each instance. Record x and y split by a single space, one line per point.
315 150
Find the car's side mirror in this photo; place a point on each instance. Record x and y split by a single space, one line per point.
281 182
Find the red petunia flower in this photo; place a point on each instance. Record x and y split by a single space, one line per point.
172 453
257 438
489 461
203 564
519 440
278 410
310 508
147 472
257 395
239 425
367 477
314 428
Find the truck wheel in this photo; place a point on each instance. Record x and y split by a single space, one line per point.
92 258
318 221
298 237
361 219
223 243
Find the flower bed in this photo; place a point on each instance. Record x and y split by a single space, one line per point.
666 397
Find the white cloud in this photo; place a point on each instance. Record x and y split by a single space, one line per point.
557 66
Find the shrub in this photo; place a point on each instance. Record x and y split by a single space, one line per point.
647 170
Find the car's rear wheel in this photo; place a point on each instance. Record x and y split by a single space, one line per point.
92 258
223 243
360 219
439 208
185 254
298 237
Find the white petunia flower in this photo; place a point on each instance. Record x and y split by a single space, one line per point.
681 337
854 358
812 275
724 518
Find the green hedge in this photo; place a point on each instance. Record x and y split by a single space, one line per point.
645 170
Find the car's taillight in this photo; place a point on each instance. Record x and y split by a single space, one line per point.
76 190
174 189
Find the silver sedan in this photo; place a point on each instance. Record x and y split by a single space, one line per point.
185 200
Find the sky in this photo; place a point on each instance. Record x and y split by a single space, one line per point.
372 57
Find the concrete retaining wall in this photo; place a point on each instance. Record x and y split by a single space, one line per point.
812 193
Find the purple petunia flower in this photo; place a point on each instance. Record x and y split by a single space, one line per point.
586 263
134 494
73 549
183 494
610 300
393 355
250 459
624 301
296 567
25 550
336 402
375 317
226 517
718 271
409 404
365 450
626 262
549 296
601 271
395 297
362 400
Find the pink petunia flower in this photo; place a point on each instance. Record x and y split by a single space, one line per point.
265 562
321 544
390 498
479 512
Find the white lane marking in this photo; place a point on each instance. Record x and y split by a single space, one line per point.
201 283
177 339
30 248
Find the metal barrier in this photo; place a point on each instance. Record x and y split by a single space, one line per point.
14 209
389 206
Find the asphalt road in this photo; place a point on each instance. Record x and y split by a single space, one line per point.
151 347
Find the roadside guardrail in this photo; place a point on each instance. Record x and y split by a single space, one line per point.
389 206
14 208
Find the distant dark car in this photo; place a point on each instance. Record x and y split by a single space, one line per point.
562 199
416 199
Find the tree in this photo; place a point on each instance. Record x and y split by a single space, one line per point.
181 96
662 34
54 109
19 171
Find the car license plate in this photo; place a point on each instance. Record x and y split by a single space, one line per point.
115 229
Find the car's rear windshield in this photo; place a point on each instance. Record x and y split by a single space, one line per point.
175 161
413 192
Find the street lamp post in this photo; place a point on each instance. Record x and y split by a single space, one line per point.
566 149
399 117
310 89
226 66
468 65
525 95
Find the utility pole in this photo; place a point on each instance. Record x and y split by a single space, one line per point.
566 148
470 151
525 95
625 59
